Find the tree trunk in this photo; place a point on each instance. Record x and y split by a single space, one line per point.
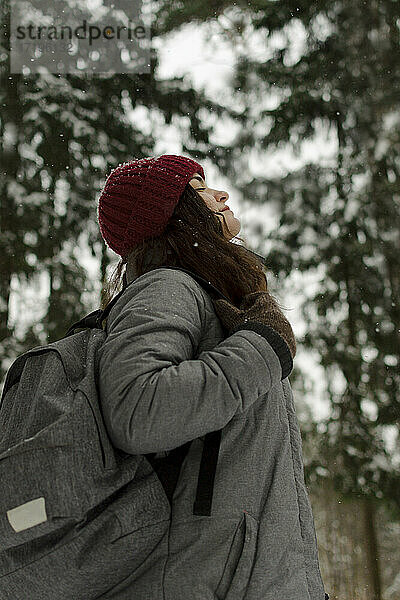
371 549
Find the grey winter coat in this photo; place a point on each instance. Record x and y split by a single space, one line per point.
167 375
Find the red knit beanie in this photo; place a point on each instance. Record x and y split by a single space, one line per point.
139 197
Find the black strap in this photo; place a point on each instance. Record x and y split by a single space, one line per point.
91 320
168 468
208 466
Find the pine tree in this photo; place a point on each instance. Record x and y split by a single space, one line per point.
338 220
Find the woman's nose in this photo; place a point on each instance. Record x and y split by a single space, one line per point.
221 196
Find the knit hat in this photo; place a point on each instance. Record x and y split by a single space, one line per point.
139 197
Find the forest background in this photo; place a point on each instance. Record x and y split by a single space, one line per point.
293 108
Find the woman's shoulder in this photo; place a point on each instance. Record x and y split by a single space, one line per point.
168 278
164 287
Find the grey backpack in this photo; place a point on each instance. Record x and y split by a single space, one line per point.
77 515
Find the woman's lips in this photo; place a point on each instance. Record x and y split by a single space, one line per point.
225 208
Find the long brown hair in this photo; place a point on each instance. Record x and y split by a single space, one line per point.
194 240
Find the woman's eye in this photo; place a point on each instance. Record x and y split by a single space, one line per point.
200 189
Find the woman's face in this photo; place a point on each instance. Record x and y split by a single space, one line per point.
215 201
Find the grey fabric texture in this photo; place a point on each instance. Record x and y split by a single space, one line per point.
168 374
75 425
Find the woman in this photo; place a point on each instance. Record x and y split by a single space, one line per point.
178 364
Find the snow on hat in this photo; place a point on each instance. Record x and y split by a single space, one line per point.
139 197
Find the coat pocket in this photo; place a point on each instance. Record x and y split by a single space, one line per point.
237 570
